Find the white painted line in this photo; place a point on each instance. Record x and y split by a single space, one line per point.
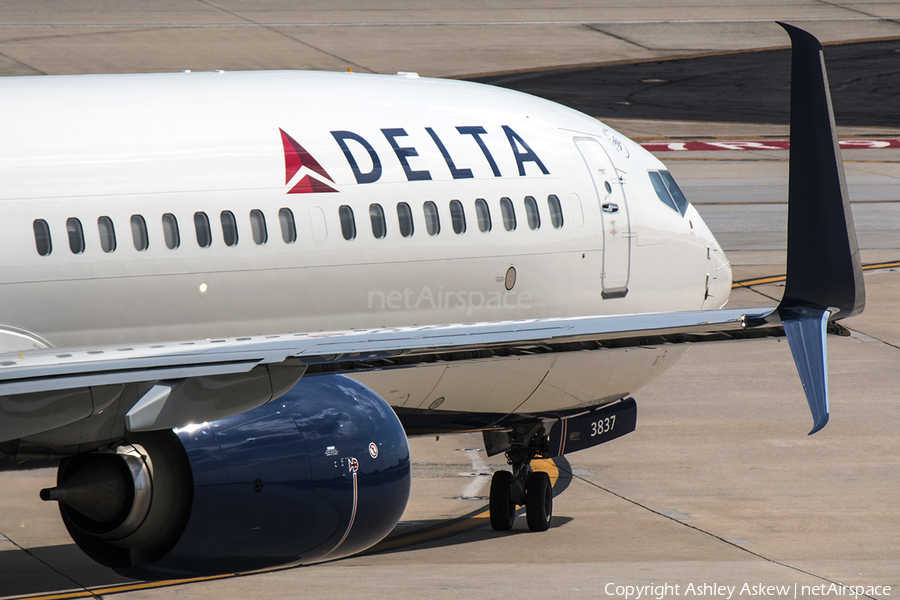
478 466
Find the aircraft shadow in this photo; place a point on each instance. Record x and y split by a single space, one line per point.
470 528
478 532
21 576
53 569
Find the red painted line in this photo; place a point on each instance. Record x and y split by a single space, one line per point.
759 145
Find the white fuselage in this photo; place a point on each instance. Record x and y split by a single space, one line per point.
135 149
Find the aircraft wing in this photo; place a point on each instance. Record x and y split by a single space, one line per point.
53 369
48 382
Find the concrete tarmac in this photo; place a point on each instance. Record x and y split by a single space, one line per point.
719 485
455 38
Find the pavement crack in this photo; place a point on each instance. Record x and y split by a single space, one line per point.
857 11
273 29
705 532
863 335
355 65
87 592
753 289
17 61
596 27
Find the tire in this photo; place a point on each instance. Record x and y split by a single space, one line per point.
538 501
503 511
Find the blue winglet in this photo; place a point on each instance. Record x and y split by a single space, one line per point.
824 274
823 265
805 330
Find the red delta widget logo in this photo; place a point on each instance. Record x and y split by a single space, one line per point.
295 158
315 179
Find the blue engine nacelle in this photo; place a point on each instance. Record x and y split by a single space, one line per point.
320 473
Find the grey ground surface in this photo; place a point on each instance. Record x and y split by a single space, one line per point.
455 37
719 484
746 87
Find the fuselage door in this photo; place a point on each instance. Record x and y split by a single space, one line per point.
614 212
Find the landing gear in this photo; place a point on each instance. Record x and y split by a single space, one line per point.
522 486
538 501
503 509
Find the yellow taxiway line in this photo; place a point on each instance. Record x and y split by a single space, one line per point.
777 278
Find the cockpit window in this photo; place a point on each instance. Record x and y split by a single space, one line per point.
680 201
668 191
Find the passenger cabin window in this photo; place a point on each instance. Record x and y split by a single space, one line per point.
531 212
42 237
288 227
76 235
483 214
432 219
457 216
508 212
348 223
107 234
556 216
668 191
404 217
258 227
229 228
201 227
170 231
139 233
376 216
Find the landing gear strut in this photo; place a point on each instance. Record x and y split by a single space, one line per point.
522 486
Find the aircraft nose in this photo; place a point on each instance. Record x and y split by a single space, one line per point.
718 267
723 277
